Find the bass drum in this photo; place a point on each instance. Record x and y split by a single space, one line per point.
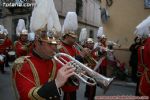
11 56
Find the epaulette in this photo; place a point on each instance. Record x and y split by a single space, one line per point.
18 63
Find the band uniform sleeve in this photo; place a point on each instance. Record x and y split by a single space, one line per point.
48 91
27 88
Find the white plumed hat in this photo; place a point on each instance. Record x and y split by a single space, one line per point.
5 32
100 33
90 40
40 14
45 18
31 36
53 20
70 24
1 29
143 29
83 35
20 29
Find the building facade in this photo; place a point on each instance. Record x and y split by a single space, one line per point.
125 15
88 12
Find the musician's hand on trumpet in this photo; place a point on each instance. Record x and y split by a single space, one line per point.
81 69
63 74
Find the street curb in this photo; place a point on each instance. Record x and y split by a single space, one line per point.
123 83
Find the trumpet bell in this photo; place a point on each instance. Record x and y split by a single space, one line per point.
103 81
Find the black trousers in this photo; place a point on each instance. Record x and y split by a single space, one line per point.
2 68
90 92
137 86
69 95
103 70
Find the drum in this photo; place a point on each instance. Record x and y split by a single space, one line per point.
11 56
2 59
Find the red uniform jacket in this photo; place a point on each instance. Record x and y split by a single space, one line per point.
25 79
70 50
20 49
145 78
6 44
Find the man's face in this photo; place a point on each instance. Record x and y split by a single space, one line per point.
90 45
99 39
24 38
103 40
48 49
2 36
71 40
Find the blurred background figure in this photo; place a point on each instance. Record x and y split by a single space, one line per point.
143 31
101 48
134 57
90 90
5 47
21 46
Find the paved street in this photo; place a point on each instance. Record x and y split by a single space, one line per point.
116 89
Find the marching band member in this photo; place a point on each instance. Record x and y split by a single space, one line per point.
38 76
5 46
8 43
100 47
21 46
140 68
68 47
144 68
142 30
90 90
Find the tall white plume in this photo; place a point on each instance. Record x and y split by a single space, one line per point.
100 32
20 27
143 28
53 19
83 35
70 22
40 15
31 36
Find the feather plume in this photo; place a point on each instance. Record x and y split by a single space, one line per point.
70 22
5 32
40 15
83 35
100 32
31 36
142 29
53 19
20 27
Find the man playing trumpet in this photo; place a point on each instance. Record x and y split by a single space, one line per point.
38 76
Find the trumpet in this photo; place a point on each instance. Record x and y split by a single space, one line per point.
95 77
90 60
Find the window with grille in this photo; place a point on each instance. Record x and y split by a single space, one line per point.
91 35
